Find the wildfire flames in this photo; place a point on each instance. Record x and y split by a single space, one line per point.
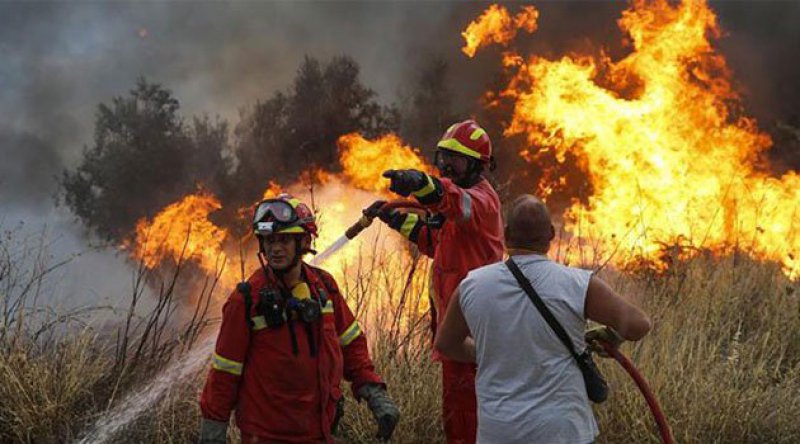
273 190
670 157
182 231
338 200
362 159
497 26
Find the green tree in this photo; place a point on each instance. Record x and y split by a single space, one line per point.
143 158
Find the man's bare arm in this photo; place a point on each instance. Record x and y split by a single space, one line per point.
452 339
605 306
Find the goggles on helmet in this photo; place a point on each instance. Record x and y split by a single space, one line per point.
280 210
274 215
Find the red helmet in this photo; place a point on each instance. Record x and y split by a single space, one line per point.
469 139
284 214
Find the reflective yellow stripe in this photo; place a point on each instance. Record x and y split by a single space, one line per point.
328 308
226 365
427 189
350 335
409 224
455 145
259 322
292 230
477 134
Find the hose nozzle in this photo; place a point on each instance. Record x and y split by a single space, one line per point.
371 212
358 227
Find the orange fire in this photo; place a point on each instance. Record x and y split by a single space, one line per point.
364 160
670 157
182 231
497 26
337 198
272 191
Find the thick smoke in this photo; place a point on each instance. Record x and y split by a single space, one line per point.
60 60
761 44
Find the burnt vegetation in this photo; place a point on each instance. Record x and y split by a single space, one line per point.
144 156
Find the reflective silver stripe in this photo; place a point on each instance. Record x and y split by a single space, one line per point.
328 308
466 206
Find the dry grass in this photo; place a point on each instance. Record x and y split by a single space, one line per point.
59 371
723 359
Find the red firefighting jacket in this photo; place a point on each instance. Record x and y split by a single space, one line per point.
279 396
472 236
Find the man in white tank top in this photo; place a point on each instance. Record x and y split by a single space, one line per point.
529 387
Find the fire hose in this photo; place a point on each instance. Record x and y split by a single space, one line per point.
633 372
655 409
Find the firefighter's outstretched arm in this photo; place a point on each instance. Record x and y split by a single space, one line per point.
227 364
440 195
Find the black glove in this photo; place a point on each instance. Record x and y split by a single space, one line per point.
376 210
383 409
394 219
405 182
397 220
391 217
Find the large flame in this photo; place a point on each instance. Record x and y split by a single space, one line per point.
671 158
182 231
364 160
496 25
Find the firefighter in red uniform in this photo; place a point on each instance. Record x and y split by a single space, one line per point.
286 340
466 232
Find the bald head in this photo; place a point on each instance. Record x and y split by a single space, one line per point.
528 224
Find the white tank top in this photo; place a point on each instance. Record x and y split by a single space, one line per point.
529 388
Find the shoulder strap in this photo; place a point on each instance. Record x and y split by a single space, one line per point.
244 288
537 301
